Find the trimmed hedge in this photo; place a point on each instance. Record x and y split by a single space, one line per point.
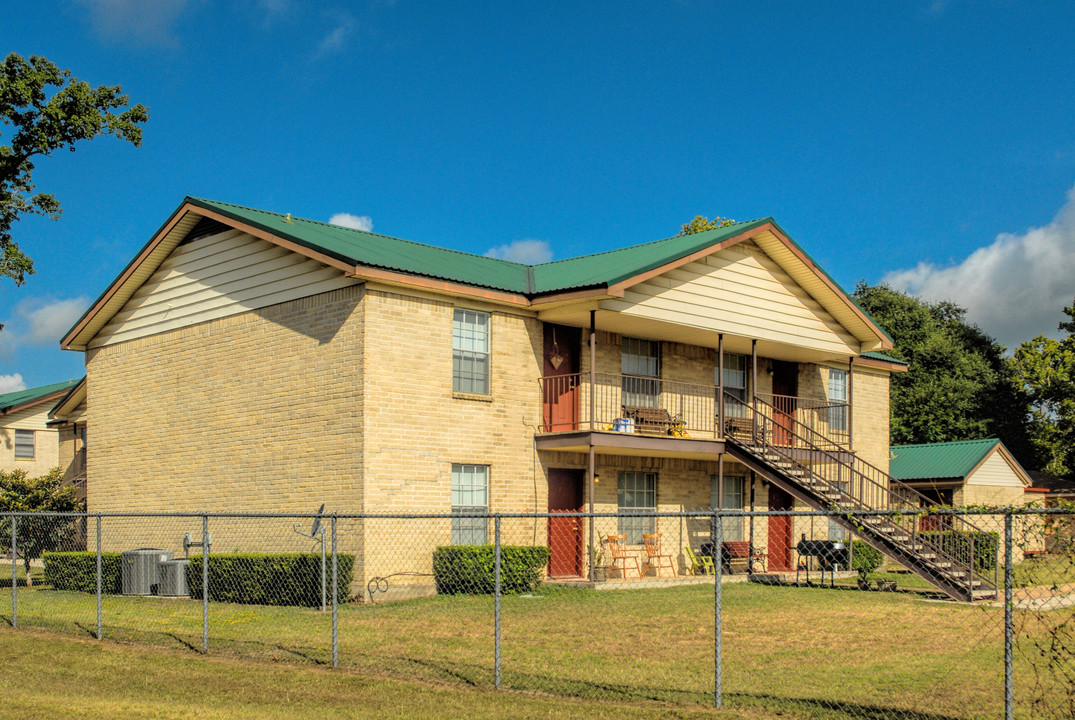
865 558
958 543
470 569
271 578
78 571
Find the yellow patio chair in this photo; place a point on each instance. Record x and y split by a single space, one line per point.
700 564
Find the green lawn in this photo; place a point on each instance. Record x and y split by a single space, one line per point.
796 652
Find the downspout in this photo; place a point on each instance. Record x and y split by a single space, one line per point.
720 385
593 386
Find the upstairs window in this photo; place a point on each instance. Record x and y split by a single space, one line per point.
470 498
838 394
640 363
470 352
24 444
735 384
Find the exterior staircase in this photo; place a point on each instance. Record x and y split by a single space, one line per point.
873 506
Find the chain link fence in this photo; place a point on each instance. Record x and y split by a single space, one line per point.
785 611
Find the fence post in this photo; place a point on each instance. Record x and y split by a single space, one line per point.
1009 680
14 571
716 537
335 601
205 583
98 577
496 602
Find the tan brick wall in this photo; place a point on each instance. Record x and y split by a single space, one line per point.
258 412
46 440
870 417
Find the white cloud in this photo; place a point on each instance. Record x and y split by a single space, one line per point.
136 21
527 252
358 222
11 383
38 322
337 37
1014 288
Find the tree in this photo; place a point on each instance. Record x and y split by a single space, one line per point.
48 493
701 222
959 385
42 125
1046 368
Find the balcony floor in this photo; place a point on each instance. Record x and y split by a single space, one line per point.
618 443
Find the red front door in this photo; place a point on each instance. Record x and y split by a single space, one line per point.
561 383
565 533
779 531
785 388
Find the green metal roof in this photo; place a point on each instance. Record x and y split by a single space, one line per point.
30 395
935 461
885 358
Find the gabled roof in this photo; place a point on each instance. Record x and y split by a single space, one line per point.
945 461
12 401
71 400
370 255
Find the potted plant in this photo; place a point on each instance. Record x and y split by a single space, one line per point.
597 562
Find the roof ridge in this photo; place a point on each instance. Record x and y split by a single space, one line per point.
947 442
364 232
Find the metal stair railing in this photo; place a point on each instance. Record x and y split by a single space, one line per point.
855 484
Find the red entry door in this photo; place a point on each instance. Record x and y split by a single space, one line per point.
785 388
561 383
565 533
779 530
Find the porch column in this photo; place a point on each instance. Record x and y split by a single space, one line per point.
720 385
850 401
753 371
589 474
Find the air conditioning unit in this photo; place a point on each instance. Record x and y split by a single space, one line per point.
140 572
173 578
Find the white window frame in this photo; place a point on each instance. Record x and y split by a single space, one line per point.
636 494
471 331
837 390
470 498
21 444
736 371
640 364
735 498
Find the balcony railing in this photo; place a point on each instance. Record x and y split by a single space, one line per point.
654 406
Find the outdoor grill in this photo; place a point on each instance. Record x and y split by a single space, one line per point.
830 555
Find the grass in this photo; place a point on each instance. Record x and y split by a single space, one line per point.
797 652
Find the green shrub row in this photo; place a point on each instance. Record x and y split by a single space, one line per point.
957 543
78 571
470 569
271 578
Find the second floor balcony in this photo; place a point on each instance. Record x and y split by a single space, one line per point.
654 407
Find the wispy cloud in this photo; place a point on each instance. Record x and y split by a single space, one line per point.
1014 288
527 252
273 10
337 37
358 222
136 22
39 322
11 383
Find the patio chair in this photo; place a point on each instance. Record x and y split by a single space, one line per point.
617 546
700 564
654 556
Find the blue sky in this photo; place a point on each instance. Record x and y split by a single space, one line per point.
928 143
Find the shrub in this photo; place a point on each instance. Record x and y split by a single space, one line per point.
865 558
470 569
270 578
78 571
958 544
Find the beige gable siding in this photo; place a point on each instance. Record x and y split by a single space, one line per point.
739 291
214 277
46 440
996 472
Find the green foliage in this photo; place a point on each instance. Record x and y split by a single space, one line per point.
270 578
701 223
42 125
78 571
470 569
957 543
1046 368
959 385
865 558
21 493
